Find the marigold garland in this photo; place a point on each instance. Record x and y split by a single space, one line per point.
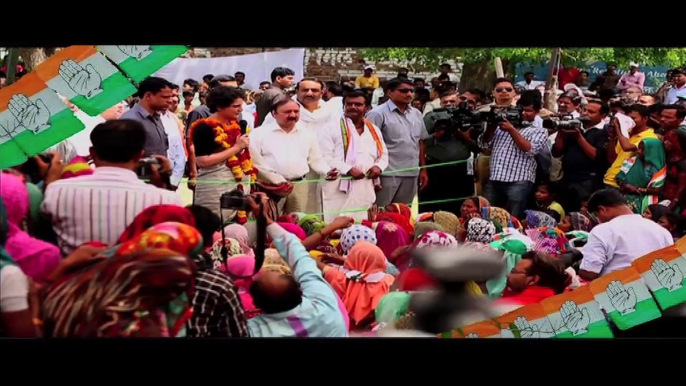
241 163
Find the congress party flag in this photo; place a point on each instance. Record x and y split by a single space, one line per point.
526 322
577 314
139 62
625 298
485 329
86 78
32 118
663 272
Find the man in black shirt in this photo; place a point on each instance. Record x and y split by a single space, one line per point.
583 161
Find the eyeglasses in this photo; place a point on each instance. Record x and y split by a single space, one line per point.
501 89
404 90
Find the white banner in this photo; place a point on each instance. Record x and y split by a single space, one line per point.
257 67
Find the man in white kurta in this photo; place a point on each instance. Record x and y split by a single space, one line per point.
354 146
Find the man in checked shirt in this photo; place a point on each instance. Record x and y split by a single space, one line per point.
217 308
513 162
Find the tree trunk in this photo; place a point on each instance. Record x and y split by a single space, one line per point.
477 75
32 57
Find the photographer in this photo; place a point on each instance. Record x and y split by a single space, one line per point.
301 305
513 162
582 153
98 207
448 144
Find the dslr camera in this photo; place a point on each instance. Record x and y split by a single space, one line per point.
564 122
144 168
236 199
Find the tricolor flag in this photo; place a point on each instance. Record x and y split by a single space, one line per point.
663 272
625 298
577 314
86 78
526 322
32 118
139 62
485 329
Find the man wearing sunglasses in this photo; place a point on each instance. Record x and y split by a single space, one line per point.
404 132
514 151
503 94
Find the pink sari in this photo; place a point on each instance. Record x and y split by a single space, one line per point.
238 267
35 257
390 236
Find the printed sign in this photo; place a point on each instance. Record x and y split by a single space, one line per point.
577 314
32 118
139 62
526 322
625 298
86 78
485 329
655 75
663 272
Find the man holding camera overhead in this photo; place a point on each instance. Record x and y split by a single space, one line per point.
283 153
513 162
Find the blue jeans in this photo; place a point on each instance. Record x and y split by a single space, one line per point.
512 196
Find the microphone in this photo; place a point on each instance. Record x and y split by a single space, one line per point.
244 126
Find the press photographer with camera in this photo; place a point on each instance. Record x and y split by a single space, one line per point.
582 152
98 207
451 129
304 297
514 148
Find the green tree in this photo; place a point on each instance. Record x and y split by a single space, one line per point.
478 62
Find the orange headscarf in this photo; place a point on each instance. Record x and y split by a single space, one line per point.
362 283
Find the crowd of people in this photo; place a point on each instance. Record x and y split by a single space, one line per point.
101 244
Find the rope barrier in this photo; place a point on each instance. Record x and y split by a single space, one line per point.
305 181
358 210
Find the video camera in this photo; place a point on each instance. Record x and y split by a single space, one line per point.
463 118
460 117
564 122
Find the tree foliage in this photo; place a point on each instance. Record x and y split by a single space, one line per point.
433 57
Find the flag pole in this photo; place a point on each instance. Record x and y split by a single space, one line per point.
12 59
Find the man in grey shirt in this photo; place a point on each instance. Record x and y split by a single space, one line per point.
155 95
403 130
282 78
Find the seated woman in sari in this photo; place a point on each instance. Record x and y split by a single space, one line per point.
361 284
221 152
642 176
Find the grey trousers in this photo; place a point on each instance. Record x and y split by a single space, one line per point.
397 190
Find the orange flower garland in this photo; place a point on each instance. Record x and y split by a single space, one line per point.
241 163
